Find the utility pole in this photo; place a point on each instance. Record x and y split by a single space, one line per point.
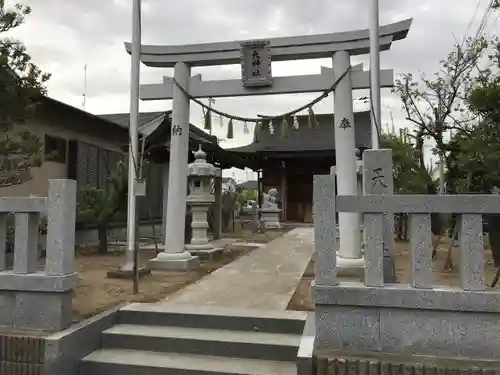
376 122
131 257
375 104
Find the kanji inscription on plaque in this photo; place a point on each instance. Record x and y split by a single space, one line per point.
256 63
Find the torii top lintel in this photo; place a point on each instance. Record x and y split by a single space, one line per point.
282 49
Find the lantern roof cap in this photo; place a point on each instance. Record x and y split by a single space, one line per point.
200 166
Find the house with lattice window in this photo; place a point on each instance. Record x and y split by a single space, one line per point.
87 147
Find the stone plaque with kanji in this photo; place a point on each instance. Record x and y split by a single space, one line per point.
256 64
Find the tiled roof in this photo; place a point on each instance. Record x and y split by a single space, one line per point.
319 138
122 119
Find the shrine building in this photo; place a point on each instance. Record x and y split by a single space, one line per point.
289 163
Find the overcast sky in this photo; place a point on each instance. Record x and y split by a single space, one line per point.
64 35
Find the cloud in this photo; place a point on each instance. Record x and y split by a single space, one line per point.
63 36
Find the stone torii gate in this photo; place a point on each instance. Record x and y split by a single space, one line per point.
182 57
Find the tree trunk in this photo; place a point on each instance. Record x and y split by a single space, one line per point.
103 238
494 236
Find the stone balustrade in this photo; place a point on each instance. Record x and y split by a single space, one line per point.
421 318
32 298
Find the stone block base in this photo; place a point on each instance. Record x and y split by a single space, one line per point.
212 254
45 311
121 273
271 219
444 322
272 226
174 262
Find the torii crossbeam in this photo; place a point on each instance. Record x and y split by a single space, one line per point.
281 85
282 49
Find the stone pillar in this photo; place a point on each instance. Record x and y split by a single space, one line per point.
217 225
378 179
165 173
349 254
61 218
175 257
255 218
26 242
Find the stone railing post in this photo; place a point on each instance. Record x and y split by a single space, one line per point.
471 253
378 179
26 242
61 228
325 239
421 258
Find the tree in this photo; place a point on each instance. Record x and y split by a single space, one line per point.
478 162
100 206
22 84
408 175
484 97
438 106
475 166
245 196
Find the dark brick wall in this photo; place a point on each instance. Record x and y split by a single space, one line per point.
343 363
21 355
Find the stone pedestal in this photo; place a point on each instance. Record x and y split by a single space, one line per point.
200 245
270 213
174 262
271 218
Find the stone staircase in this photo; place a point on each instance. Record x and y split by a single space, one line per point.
190 340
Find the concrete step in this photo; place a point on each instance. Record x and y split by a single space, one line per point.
239 344
172 315
133 362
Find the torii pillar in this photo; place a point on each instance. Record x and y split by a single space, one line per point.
349 254
175 257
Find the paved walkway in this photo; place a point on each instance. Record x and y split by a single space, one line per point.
264 279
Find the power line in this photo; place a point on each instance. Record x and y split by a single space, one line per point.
484 20
472 20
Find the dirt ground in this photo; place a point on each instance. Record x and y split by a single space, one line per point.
96 293
301 300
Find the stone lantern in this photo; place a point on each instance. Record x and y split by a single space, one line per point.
200 199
